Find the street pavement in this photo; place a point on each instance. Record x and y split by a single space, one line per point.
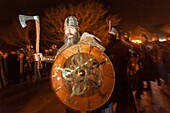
38 97
155 101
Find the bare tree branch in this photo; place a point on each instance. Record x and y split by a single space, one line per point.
15 35
90 20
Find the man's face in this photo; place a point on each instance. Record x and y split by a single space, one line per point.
70 31
71 35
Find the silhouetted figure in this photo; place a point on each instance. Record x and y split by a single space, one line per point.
149 70
164 61
2 74
119 54
13 67
29 63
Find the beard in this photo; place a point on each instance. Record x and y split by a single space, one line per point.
71 39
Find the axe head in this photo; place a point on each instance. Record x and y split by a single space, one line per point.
24 18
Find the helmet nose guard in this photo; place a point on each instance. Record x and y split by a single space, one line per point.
71 21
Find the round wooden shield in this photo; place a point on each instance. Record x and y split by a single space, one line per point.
83 77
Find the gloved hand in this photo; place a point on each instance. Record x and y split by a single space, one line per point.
38 57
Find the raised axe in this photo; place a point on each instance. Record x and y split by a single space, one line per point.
23 19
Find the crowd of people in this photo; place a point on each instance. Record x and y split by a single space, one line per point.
19 65
133 64
153 60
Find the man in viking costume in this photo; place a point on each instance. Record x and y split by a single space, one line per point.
82 75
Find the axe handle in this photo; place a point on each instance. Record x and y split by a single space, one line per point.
37 45
37 24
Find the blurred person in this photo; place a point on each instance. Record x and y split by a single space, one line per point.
5 55
149 70
2 74
4 65
29 63
53 50
163 60
119 54
20 54
13 67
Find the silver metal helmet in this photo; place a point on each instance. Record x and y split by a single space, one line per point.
71 21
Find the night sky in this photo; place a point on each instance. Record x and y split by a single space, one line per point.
133 12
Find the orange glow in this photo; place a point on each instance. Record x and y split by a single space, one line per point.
137 41
168 38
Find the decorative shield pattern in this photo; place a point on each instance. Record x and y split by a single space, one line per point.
83 77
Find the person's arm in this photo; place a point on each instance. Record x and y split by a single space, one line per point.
39 56
49 59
